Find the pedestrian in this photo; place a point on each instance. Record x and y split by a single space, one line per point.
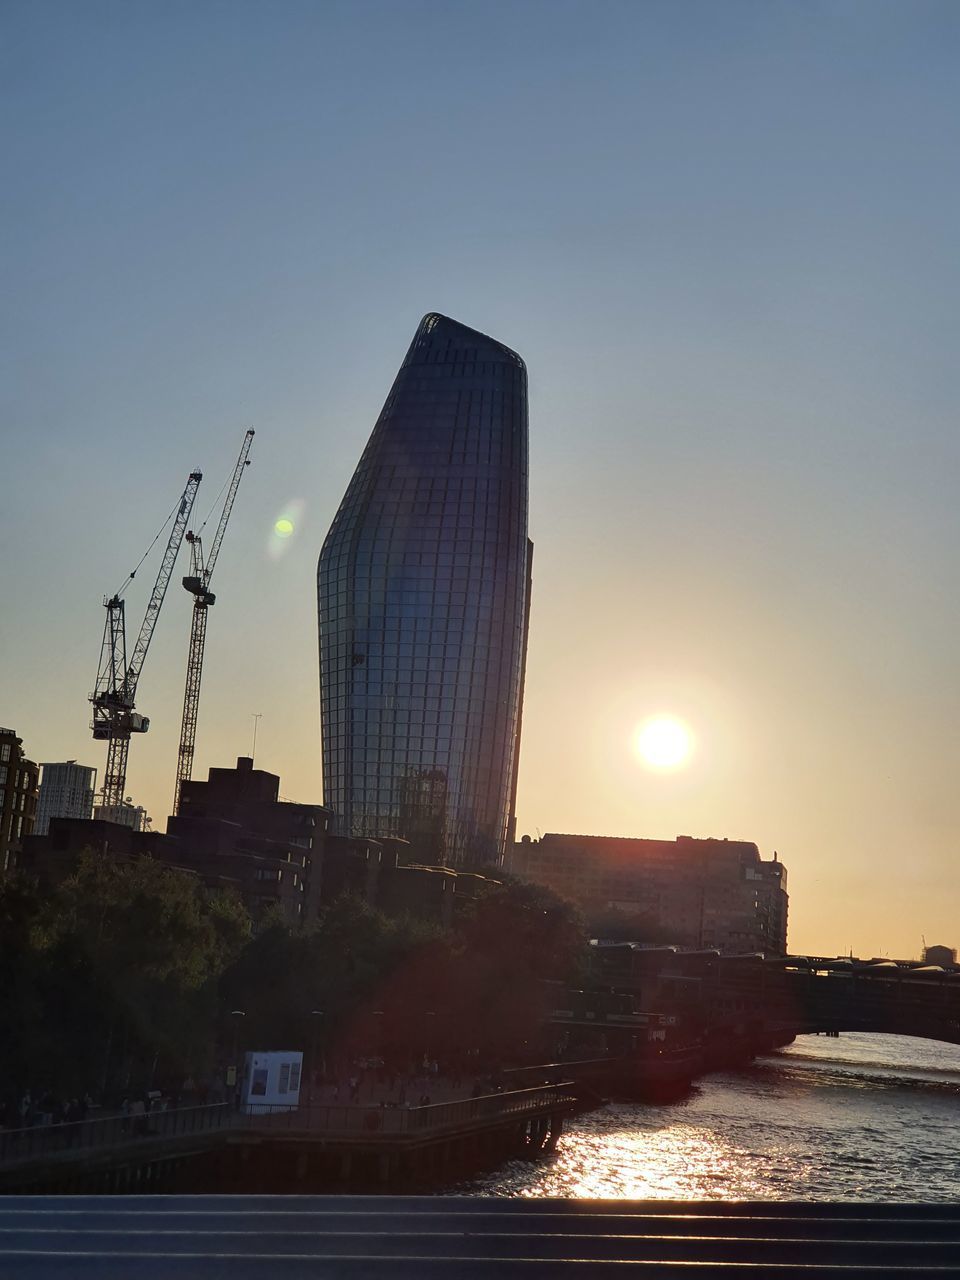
137 1112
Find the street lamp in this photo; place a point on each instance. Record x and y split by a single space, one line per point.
236 1015
315 1016
427 1036
378 1032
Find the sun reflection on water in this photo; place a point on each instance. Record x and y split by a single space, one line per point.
676 1162
871 1118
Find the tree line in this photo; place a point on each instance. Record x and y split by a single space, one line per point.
130 976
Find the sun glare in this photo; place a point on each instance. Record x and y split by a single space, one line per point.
664 743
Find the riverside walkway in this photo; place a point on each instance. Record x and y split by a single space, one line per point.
530 1116
439 1238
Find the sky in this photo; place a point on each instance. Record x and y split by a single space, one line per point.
723 236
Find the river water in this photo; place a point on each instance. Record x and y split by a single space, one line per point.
863 1117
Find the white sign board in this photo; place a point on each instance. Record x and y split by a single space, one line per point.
271 1081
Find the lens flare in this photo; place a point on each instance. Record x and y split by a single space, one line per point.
664 742
285 529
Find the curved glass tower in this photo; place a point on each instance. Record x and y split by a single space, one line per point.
424 592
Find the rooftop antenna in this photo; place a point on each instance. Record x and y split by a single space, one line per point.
258 716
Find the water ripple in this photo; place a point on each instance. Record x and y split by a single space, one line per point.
864 1117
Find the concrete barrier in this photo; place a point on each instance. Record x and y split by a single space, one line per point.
199 1238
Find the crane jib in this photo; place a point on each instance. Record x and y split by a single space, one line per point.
114 718
198 584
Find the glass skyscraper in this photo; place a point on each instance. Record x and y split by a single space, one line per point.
424 596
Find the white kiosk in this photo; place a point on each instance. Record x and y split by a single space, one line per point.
271 1081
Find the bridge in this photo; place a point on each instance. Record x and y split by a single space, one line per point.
802 994
752 1000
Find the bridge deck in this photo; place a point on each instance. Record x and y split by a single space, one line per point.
369 1237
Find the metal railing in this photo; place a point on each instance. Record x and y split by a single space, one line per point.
385 1119
18 1146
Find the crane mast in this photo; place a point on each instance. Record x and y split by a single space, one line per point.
115 692
197 582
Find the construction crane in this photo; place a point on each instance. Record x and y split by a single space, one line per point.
114 696
197 583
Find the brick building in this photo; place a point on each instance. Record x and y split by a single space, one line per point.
717 894
19 779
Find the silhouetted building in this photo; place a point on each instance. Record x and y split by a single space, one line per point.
18 797
351 866
235 826
234 832
66 791
426 892
53 857
944 956
696 893
423 587
380 873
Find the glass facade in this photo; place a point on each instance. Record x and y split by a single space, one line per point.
423 588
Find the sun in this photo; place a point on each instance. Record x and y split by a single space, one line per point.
664 742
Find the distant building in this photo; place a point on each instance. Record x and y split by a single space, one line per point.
708 894
19 779
66 791
234 832
940 955
126 814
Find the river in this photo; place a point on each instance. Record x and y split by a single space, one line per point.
862 1117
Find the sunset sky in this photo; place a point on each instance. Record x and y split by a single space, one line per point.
723 236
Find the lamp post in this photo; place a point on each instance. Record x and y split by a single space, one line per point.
315 1016
378 1033
234 1069
430 1013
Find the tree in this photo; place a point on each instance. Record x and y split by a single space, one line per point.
128 955
22 1015
342 965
